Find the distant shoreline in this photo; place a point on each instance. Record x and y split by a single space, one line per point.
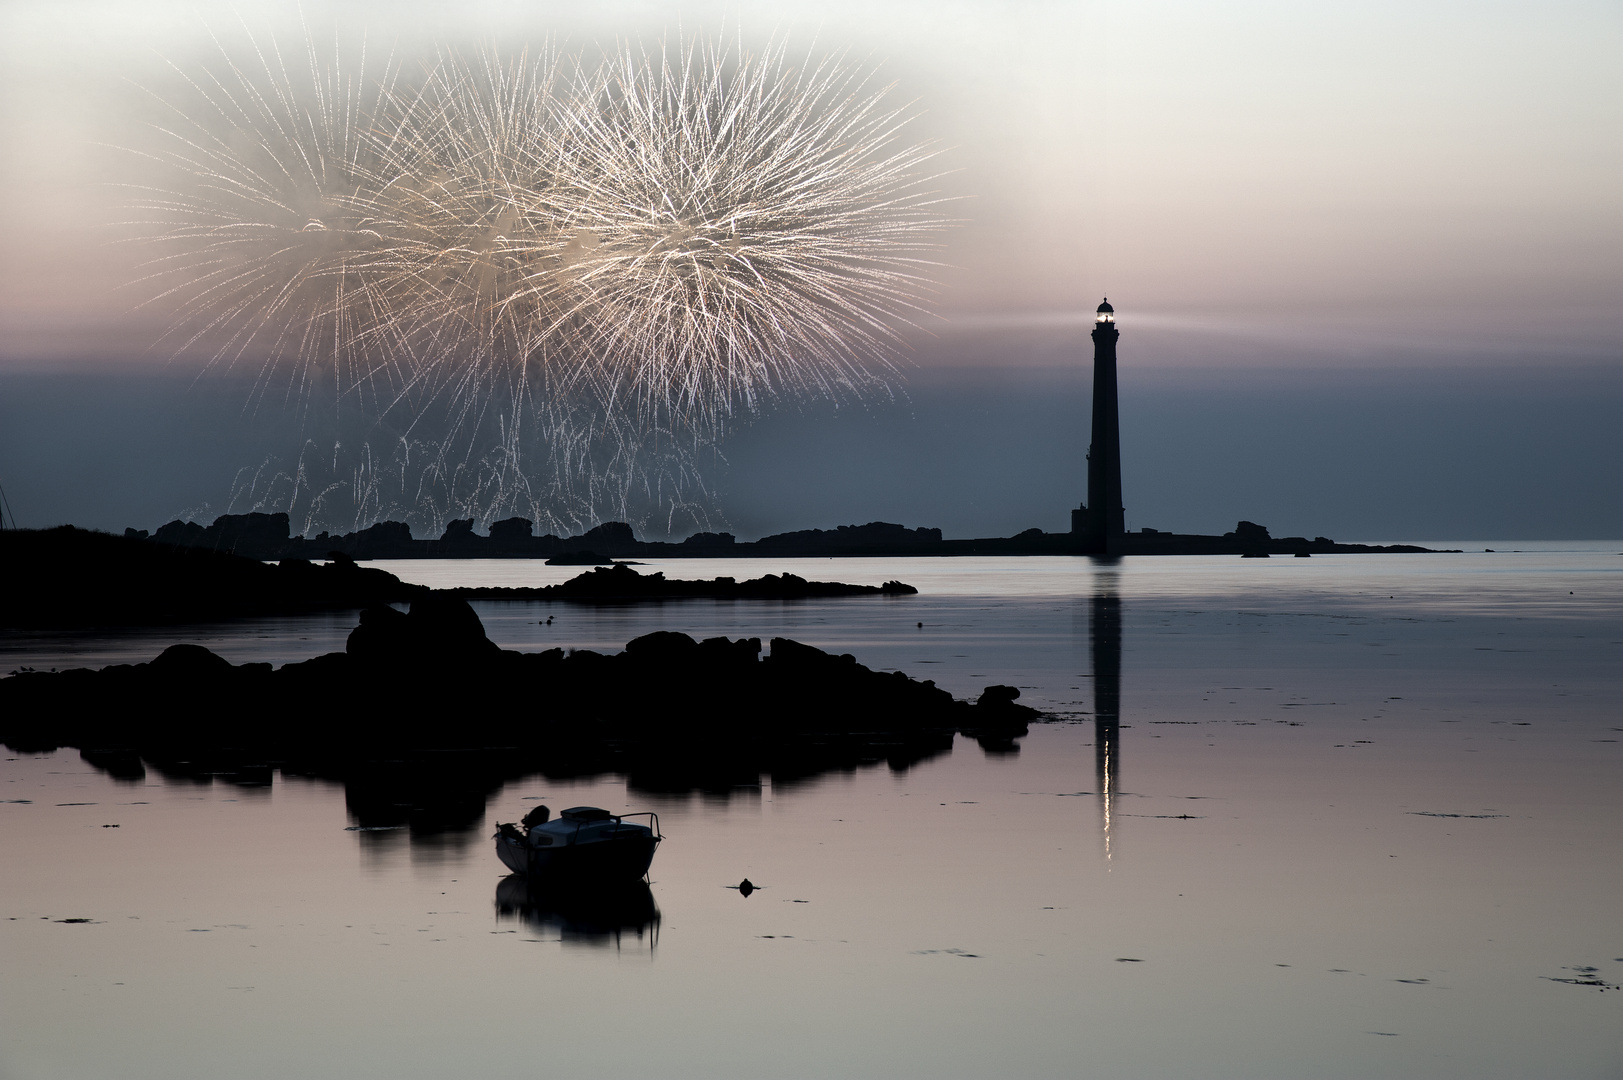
267 537
247 566
78 578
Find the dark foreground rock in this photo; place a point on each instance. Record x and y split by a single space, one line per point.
619 583
423 717
76 577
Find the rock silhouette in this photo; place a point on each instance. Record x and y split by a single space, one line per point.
997 721
580 558
266 536
437 630
620 583
423 717
75 576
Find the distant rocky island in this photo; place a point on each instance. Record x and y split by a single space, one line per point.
268 537
619 583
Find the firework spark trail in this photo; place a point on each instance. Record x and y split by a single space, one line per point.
465 165
265 251
754 233
577 475
572 275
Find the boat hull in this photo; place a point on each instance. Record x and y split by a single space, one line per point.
604 862
515 854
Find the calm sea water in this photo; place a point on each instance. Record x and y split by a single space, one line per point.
1346 816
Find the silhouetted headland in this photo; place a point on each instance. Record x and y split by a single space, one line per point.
69 577
267 536
425 699
75 577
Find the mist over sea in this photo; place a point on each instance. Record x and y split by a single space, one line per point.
1355 816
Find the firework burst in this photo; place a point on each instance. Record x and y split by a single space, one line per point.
748 229
524 252
265 239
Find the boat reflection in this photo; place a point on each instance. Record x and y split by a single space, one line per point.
617 916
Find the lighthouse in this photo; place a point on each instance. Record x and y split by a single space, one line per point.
1099 525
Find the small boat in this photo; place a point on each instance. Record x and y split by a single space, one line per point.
584 845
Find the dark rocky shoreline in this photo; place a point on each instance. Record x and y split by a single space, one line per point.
267 536
423 717
68 577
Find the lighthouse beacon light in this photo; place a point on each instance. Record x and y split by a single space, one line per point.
1107 314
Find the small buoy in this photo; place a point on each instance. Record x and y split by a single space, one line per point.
921 626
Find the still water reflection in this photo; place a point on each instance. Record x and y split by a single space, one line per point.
617 916
1351 839
1104 647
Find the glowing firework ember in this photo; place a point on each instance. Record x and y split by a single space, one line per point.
532 257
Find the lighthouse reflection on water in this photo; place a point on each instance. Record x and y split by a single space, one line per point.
1104 646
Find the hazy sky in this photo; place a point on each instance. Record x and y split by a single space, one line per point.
1277 179
1308 189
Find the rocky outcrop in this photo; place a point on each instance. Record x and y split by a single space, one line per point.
255 536
619 583
997 720
436 631
514 532
580 558
672 712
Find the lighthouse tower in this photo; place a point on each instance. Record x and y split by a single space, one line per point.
1098 525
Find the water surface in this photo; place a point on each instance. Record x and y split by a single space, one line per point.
1330 817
